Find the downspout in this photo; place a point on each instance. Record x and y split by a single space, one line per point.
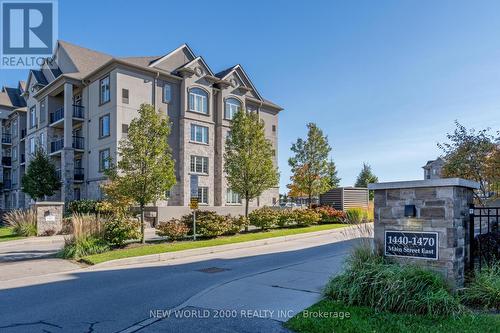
154 89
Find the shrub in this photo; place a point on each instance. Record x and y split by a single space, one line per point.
118 230
264 218
331 215
487 247
356 215
236 224
484 290
306 217
286 218
401 288
83 206
208 223
174 229
23 222
78 247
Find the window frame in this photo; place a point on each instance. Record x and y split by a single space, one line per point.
227 102
101 127
203 197
125 100
193 134
164 99
204 164
102 167
204 95
232 194
101 95
33 116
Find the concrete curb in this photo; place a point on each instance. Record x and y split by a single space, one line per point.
35 240
151 258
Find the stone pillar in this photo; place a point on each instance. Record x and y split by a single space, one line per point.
49 218
68 153
425 222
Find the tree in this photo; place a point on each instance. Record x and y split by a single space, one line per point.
366 177
145 170
41 178
333 178
310 167
248 158
473 155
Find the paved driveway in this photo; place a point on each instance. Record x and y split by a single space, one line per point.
282 276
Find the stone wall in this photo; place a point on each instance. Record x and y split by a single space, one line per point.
49 218
441 206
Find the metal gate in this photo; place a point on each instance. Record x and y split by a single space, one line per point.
484 236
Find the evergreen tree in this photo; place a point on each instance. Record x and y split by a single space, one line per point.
41 178
366 177
333 178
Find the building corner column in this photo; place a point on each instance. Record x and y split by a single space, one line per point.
68 153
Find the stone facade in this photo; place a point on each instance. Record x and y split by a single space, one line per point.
441 206
49 218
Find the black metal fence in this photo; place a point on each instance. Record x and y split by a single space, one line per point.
484 236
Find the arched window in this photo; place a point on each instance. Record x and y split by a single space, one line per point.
198 100
232 107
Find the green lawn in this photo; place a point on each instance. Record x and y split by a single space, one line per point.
364 319
186 245
6 234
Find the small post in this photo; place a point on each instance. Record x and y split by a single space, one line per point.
471 238
194 224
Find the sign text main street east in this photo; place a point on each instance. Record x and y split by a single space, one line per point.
423 245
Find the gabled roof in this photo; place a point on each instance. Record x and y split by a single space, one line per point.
11 97
166 56
84 59
39 77
198 58
225 73
222 74
141 61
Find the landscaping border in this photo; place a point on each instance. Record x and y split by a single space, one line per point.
151 258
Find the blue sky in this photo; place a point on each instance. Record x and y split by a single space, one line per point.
384 79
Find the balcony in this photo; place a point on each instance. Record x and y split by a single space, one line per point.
56 118
79 174
23 158
6 139
23 133
7 184
7 161
79 142
56 146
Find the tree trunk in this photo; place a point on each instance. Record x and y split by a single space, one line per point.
310 200
142 225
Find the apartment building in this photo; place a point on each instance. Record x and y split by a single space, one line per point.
433 168
79 105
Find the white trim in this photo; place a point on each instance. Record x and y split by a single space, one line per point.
172 52
242 81
203 62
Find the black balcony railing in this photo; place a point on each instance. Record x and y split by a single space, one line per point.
7 161
6 138
23 133
56 145
78 142
78 111
7 184
79 174
56 115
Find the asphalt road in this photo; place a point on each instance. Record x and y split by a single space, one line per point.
112 300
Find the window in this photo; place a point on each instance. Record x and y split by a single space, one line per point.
203 195
42 140
199 134
104 160
14 128
232 197
14 153
198 99
167 93
124 128
168 194
232 107
42 111
32 116
104 126
125 96
274 128
199 164
104 90
32 145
